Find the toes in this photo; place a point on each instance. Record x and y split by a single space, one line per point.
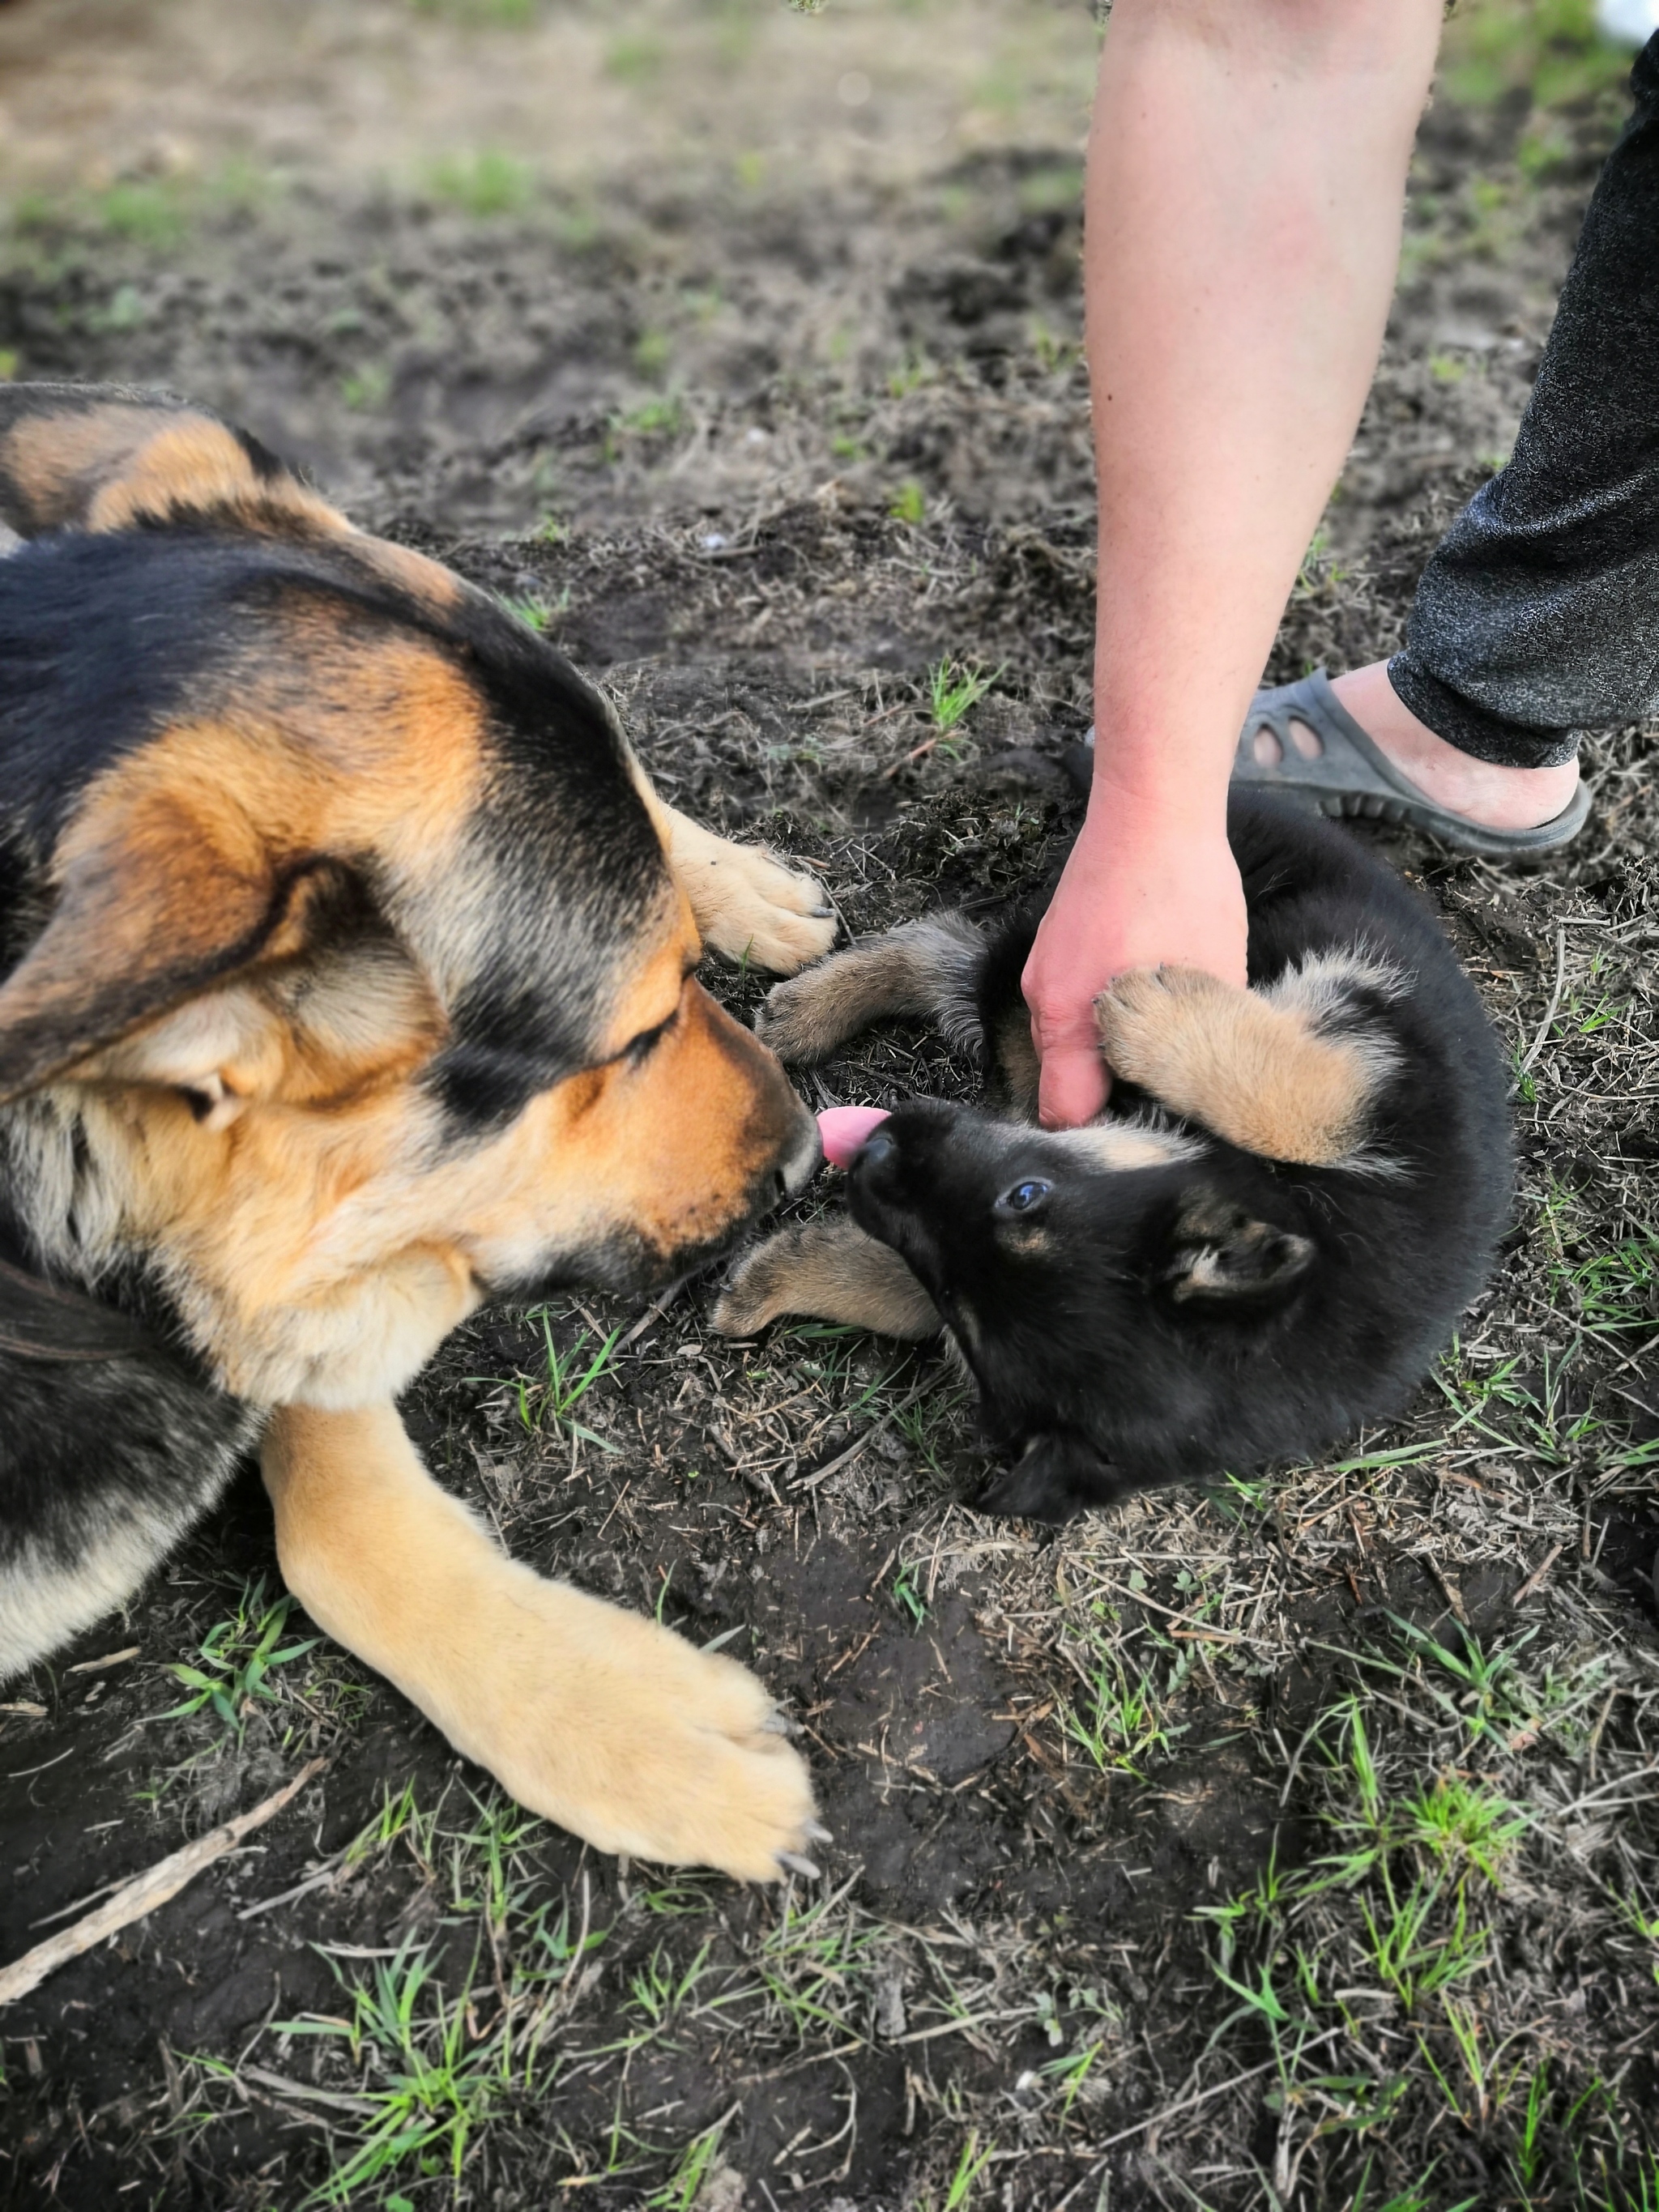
788 943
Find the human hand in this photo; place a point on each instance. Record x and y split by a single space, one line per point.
1132 895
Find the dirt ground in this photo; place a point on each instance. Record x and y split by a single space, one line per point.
1288 1845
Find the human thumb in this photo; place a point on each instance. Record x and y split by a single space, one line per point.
1073 1086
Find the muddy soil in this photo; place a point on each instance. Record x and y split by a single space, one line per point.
760 461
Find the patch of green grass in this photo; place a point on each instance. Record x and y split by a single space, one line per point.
908 1601
662 417
1046 189
684 2187
970 2165
652 352
231 1674
912 372
1120 1719
153 212
568 1380
366 389
635 60
428 2084
1550 48
952 688
125 311
508 14
908 503
1053 351
489 183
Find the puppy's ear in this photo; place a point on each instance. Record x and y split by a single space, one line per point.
177 894
1059 1477
1220 1255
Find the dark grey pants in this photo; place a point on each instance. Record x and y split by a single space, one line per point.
1537 617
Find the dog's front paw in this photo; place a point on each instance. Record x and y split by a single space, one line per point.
750 907
802 1019
1151 1018
644 1745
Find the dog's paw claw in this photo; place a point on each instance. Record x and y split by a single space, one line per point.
797 1864
755 909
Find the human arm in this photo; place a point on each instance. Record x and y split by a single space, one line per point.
1246 178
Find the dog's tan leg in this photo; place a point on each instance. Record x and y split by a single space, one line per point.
1250 1065
616 1729
747 904
831 1271
925 969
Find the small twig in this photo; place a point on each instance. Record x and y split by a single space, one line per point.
654 1313
110 1659
846 1458
286 2088
916 753
1538 1573
1537 1045
1204 2096
145 1892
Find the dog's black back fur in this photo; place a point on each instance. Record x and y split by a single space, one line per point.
1221 1309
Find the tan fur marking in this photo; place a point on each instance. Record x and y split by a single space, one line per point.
830 1270
748 905
107 467
422 577
1123 1146
618 1729
1254 1071
177 854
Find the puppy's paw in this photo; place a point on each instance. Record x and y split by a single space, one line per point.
631 1737
758 1290
804 1019
1150 1019
750 907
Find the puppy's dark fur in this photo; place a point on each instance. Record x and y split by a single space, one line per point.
1262 1247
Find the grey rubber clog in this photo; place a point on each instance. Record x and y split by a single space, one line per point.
1350 776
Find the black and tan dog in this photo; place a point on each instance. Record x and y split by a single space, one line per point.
1262 1246
346 957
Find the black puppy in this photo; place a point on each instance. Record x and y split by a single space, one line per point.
1296 1190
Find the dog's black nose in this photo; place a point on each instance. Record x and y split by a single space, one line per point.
876 1153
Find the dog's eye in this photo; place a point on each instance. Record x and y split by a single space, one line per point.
640 1048
1023 1197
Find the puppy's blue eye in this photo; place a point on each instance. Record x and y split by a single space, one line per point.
1023 1197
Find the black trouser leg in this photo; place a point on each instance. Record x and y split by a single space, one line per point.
1537 617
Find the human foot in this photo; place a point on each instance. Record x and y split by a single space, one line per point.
1496 797
1367 754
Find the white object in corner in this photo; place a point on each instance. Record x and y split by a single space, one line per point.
1632 23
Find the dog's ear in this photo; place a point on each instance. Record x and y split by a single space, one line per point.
1222 1255
179 895
1058 1476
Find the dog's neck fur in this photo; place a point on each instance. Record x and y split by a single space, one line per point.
67 1285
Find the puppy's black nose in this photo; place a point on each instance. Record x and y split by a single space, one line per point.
876 1154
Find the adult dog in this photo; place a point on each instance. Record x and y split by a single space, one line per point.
347 962
1265 1244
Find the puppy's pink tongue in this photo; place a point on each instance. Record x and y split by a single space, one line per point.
842 1130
